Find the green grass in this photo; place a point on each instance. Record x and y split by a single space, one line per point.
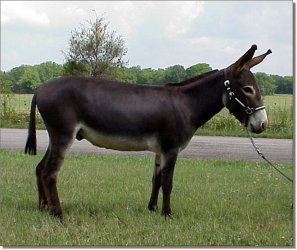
14 111
104 199
279 110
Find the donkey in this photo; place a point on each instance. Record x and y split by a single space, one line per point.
119 116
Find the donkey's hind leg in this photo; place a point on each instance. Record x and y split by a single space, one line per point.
42 201
156 184
58 147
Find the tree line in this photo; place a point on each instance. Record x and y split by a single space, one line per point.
26 79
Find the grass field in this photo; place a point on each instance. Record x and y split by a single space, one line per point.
279 110
104 199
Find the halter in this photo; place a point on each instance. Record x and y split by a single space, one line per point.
248 110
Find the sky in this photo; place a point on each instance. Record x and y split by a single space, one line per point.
157 34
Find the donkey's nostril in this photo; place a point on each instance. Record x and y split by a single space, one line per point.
263 125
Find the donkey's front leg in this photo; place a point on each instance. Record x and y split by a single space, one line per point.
168 164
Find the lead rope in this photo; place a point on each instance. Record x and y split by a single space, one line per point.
250 111
264 158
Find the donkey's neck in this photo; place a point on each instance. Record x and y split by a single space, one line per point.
205 97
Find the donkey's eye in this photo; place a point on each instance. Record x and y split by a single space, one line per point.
249 90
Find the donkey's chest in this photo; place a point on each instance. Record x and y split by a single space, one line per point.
119 142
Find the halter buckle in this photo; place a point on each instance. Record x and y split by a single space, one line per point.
249 110
227 83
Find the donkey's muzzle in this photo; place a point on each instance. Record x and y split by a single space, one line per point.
258 122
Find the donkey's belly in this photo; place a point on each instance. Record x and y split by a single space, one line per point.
123 143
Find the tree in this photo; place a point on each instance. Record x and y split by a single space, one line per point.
94 51
28 82
284 84
158 76
175 74
5 82
48 71
26 78
17 73
266 83
197 69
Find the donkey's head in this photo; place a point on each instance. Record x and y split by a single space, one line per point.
242 96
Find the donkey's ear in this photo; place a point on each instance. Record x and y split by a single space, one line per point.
246 57
256 60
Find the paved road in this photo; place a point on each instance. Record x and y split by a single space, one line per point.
203 147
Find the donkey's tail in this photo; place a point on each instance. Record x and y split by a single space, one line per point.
30 147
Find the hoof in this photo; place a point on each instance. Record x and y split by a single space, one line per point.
57 213
167 214
42 206
152 208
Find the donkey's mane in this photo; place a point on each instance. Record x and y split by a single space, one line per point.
193 79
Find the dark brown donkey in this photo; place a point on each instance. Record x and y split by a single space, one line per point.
161 119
